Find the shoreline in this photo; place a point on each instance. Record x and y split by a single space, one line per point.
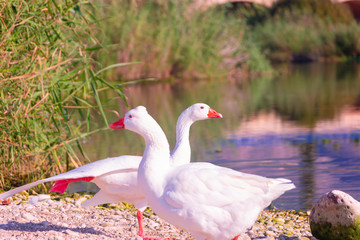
59 217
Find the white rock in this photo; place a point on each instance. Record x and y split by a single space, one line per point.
72 233
56 238
43 197
270 234
28 216
80 200
28 208
33 200
335 214
16 213
336 208
17 207
69 200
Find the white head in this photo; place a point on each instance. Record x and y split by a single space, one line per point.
139 121
135 120
200 111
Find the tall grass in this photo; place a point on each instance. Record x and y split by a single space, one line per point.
169 40
48 76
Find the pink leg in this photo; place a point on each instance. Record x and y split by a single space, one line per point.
139 216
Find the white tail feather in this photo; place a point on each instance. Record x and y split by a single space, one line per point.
10 193
279 186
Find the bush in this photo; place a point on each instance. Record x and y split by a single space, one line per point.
347 40
308 30
325 10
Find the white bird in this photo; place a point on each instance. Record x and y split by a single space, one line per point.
209 201
117 177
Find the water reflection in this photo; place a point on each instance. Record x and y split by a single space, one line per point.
317 159
308 158
303 125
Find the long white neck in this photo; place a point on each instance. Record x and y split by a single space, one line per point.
182 151
155 163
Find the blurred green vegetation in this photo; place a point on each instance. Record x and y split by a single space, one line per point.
325 10
307 30
299 30
169 40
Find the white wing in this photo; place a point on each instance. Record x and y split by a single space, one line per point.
126 163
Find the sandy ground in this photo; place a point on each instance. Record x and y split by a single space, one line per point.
59 218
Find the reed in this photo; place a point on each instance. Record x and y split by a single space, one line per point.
49 86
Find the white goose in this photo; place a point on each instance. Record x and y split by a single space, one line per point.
209 201
117 177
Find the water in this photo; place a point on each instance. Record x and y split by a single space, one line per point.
303 125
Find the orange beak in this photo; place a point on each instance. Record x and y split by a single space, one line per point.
213 114
118 124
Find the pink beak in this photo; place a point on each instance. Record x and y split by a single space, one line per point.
213 114
118 124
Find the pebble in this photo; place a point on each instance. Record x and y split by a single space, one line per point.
79 201
69 232
28 216
29 207
64 219
33 200
43 197
270 234
56 238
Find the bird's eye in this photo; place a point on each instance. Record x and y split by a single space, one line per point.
130 116
202 107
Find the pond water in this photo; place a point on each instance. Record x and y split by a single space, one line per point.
303 124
